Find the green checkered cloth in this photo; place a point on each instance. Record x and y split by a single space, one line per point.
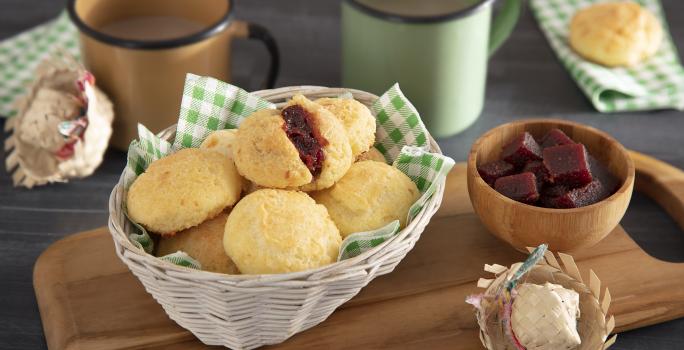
656 83
21 54
399 124
209 105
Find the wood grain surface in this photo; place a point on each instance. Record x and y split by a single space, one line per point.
525 79
89 299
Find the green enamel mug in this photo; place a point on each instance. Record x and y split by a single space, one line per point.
436 49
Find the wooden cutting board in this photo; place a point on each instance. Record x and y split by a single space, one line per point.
89 300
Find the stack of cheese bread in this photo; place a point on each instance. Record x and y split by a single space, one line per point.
276 195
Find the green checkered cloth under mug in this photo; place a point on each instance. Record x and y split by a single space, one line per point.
21 54
209 104
656 83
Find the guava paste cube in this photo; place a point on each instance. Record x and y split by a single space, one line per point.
521 150
555 190
601 173
588 194
568 165
555 137
494 170
548 196
539 170
520 187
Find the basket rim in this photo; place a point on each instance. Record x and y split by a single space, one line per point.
318 275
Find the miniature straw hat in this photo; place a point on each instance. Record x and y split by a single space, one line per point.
594 325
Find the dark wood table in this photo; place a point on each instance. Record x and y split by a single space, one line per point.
525 80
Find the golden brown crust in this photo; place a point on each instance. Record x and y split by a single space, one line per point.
221 141
279 231
265 155
615 33
356 119
371 154
338 154
371 195
183 190
204 243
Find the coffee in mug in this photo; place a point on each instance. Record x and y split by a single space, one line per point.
141 50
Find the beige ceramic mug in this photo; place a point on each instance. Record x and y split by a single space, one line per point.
141 50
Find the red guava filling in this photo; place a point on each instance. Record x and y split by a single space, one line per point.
299 128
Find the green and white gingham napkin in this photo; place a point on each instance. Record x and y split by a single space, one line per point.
399 124
656 83
21 54
209 104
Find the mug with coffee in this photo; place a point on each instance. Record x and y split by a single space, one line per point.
141 50
436 49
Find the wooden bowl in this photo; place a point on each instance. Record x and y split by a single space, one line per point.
523 225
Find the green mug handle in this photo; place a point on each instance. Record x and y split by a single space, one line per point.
503 24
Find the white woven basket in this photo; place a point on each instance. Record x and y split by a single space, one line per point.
248 311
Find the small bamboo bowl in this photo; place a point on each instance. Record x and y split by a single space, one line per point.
523 225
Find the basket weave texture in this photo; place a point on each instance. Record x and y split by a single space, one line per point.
248 311
594 324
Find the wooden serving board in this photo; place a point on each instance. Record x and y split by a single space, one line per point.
89 300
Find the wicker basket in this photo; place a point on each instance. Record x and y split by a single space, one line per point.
248 311
594 324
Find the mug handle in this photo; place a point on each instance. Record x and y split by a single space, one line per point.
249 30
503 24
